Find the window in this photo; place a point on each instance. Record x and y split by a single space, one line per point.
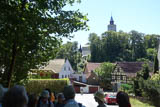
121 77
65 76
69 69
62 76
64 68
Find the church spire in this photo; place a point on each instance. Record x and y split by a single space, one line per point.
111 21
111 26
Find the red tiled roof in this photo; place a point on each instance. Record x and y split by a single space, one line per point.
92 66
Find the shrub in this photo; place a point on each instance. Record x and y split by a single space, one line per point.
127 88
138 86
37 85
156 77
152 91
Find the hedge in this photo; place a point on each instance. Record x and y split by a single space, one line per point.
37 85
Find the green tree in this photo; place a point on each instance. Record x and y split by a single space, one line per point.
144 73
31 32
95 47
71 52
151 41
137 45
140 77
151 52
115 46
156 64
104 74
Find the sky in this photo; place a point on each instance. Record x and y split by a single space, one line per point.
140 15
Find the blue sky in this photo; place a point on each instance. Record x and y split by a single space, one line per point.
139 15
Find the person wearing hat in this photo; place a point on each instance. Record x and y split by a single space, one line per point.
44 100
61 100
69 94
100 98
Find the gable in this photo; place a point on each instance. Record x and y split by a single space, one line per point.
67 67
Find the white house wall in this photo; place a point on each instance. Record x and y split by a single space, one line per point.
77 76
66 70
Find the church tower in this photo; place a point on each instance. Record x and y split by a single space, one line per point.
112 26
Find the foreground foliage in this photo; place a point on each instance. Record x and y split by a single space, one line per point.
31 33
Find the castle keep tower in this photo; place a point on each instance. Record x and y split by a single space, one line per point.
112 26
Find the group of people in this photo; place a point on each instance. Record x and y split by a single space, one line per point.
18 97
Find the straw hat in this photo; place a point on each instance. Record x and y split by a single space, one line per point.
100 95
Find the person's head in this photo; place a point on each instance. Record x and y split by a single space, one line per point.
99 97
123 99
15 97
32 100
60 98
48 91
2 92
45 96
69 92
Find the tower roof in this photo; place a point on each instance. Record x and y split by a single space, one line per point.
111 19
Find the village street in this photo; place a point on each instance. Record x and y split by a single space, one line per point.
88 100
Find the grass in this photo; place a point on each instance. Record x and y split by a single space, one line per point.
137 103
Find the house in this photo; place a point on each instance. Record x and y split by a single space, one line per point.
61 68
88 80
79 77
85 87
91 77
124 71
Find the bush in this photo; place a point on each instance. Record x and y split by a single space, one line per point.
156 77
138 86
127 88
37 85
152 91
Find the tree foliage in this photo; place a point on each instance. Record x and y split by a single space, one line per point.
104 74
120 46
31 32
156 64
70 51
140 77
